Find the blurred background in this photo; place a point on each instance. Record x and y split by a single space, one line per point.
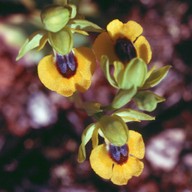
40 131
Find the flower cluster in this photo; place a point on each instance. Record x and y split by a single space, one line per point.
123 54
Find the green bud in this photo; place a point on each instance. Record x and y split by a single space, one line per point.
55 17
114 129
147 100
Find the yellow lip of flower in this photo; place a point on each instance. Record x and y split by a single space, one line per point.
129 164
74 76
122 41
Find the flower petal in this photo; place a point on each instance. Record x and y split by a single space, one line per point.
136 144
86 66
122 173
133 166
114 28
86 61
103 45
120 176
67 87
101 162
143 49
52 79
131 30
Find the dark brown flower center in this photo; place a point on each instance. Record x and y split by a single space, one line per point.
66 64
125 50
119 154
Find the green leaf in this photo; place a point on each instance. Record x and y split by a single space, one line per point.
105 67
123 97
32 42
84 25
156 77
133 75
85 138
147 100
129 115
114 129
61 41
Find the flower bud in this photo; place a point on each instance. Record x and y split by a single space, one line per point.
55 17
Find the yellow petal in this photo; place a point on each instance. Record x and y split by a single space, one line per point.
86 62
131 30
83 85
120 176
101 162
122 173
103 45
86 66
48 73
114 29
143 49
52 79
136 144
133 166
66 87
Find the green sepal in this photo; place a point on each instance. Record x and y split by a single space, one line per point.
64 2
129 115
147 100
95 139
92 107
105 66
55 17
153 68
156 77
123 97
134 74
42 42
74 2
118 69
32 42
73 10
84 25
114 130
85 138
62 41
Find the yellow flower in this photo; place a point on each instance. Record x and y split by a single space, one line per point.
66 74
119 164
122 41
